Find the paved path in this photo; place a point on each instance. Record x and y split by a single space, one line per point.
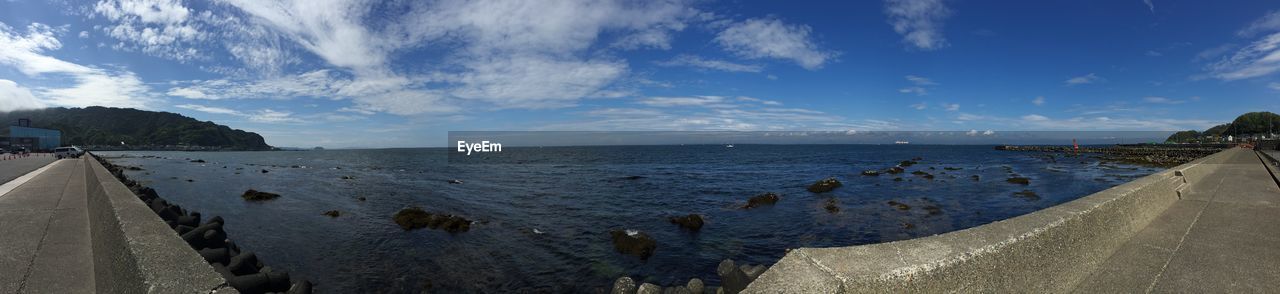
13 168
44 232
1223 236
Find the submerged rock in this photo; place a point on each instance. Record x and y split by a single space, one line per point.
198 161
906 163
897 179
333 213
899 205
1026 194
691 221
895 170
1019 180
824 185
832 205
416 218
759 200
633 242
870 172
455 181
348 177
933 209
976 178
255 195
264 171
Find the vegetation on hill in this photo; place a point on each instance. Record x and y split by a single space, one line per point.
110 126
1253 123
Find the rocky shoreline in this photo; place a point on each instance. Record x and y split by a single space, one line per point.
1159 155
241 268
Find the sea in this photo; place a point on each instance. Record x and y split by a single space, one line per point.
543 215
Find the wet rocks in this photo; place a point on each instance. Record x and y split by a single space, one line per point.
255 195
624 285
264 171
348 177
951 168
871 173
933 209
907 163
333 213
825 185
899 205
832 205
895 170
923 174
633 242
1019 180
695 285
416 218
760 200
692 221
198 161
976 178
648 288
455 181
734 278
897 179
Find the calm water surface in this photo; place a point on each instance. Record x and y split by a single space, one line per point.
572 197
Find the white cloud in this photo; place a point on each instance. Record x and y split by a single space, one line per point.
920 22
1274 86
1260 58
988 133
162 28
1150 6
84 34
1161 100
920 106
1154 53
1266 24
771 38
1034 117
15 97
210 109
951 107
919 91
1085 79
682 101
920 81
761 101
713 64
1038 101
91 86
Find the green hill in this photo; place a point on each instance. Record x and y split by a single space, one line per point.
1252 123
109 126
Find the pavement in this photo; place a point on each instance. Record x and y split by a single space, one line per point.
1222 236
46 245
13 168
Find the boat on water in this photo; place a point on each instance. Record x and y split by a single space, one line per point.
728 146
901 142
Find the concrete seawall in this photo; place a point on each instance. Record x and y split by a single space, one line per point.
134 251
1050 250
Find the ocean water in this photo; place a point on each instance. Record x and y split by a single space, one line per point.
543 214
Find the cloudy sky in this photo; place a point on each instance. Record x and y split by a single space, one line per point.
351 73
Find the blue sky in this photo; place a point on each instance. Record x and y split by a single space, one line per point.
349 73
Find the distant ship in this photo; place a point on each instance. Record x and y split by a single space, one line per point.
728 146
901 142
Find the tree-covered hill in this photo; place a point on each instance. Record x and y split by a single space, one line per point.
110 126
1253 123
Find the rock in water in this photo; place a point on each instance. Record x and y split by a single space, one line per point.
691 221
1019 180
825 185
732 279
198 161
633 242
895 170
624 285
333 213
416 218
756 201
1027 194
899 205
255 195
870 172
832 205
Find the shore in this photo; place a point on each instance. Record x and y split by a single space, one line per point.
1158 155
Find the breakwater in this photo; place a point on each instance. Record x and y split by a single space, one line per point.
241 269
1161 155
1050 250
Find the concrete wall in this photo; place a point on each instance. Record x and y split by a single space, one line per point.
1044 251
133 250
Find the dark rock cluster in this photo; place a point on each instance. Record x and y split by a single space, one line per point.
241 268
825 185
1160 155
692 222
763 199
633 242
255 195
416 218
733 279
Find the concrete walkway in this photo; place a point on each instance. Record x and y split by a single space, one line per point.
13 168
1222 236
45 244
